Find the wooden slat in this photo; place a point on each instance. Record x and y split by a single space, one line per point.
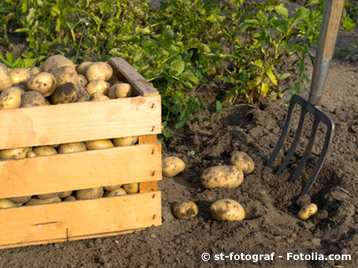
88 169
148 186
124 69
78 219
79 122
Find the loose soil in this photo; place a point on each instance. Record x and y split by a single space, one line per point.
269 199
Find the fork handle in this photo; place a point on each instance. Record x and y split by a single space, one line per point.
327 41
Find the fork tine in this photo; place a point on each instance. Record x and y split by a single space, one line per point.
296 139
307 152
283 135
326 145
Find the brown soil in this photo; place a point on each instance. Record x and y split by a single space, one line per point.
271 224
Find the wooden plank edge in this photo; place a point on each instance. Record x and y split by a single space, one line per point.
142 86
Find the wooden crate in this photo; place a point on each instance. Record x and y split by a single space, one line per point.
46 125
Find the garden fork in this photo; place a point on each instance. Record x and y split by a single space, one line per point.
328 37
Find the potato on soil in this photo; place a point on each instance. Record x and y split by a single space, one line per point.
99 71
172 166
5 80
222 177
131 188
17 153
97 86
66 93
82 68
243 161
7 203
99 144
20 200
64 194
185 210
44 150
125 141
33 98
70 198
47 196
120 90
89 193
57 61
112 187
11 98
37 201
82 80
43 82
227 210
64 75
19 75
116 192
34 71
99 97
72 147
307 211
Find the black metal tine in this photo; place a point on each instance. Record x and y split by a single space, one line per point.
295 142
284 133
308 150
323 155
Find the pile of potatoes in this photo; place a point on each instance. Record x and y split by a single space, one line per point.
60 81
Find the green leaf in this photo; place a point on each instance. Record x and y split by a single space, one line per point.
218 106
272 76
177 67
281 10
265 88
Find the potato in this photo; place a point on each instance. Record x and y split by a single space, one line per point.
64 75
20 200
120 90
36 201
57 61
43 82
227 210
243 161
131 188
72 147
19 75
30 154
17 153
99 97
82 80
113 187
116 192
222 177
33 98
47 196
5 80
6 203
70 198
82 68
97 86
172 166
10 98
125 141
83 94
89 193
34 71
66 93
99 144
307 211
99 71
185 210
44 150
64 194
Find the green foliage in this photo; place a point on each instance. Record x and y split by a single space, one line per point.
350 17
256 49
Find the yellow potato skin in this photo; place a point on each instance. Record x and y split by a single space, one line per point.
73 147
70 198
82 68
243 161
222 177
99 144
57 61
17 153
120 90
112 187
10 98
5 80
47 196
99 97
36 201
99 71
185 210
131 188
44 150
43 82
307 211
20 200
64 194
33 98
227 210
172 166
117 192
19 75
87 194
7 203
125 141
